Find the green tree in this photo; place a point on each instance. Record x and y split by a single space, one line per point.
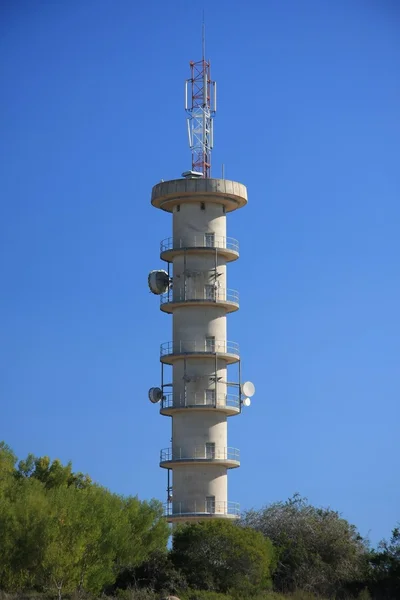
157 573
319 551
385 568
146 530
93 534
24 513
7 461
59 532
218 556
51 473
65 541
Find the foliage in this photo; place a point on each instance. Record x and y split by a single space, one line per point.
203 595
218 556
157 573
385 569
319 551
7 461
267 595
51 474
61 533
137 594
23 517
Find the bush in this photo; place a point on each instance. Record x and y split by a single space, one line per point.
219 556
139 594
157 573
203 595
319 551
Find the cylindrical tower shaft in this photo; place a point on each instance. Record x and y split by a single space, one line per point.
199 395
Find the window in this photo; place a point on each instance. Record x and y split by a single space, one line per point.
210 450
178 207
209 239
210 343
209 397
209 292
202 206
210 504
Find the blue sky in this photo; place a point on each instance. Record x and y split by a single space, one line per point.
92 117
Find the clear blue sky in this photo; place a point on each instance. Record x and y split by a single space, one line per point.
92 117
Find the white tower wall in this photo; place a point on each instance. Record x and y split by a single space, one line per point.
189 486
190 223
196 327
200 395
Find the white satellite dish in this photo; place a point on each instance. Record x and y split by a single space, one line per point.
158 281
246 402
155 394
248 389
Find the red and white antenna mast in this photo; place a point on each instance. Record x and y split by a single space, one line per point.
201 92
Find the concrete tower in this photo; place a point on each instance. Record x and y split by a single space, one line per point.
197 390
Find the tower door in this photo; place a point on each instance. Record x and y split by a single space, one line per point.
209 292
210 450
210 343
209 239
209 397
210 504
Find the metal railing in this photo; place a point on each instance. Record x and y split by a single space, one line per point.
177 509
214 295
201 240
194 399
199 347
204 452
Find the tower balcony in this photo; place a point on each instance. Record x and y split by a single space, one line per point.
209 296
207 453
186 511
209 243
167 194
207 400
208 348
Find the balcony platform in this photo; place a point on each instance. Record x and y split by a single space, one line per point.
175 512
172 351
226 403
200 455
227 247
167 194
227 299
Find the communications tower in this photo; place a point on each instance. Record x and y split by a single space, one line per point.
200 369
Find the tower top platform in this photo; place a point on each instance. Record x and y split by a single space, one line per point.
167 194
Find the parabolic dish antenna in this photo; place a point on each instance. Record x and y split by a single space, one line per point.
158 281
155 394
246 402
248 389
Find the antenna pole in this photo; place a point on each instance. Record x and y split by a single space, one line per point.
201 111
204 38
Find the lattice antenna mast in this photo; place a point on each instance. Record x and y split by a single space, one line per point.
201 106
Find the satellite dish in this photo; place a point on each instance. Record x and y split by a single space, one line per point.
246 402
155 394
158 281
248 389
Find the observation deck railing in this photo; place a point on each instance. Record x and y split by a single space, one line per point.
214 295
202 240
200 399
203 453
183 509
199 347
